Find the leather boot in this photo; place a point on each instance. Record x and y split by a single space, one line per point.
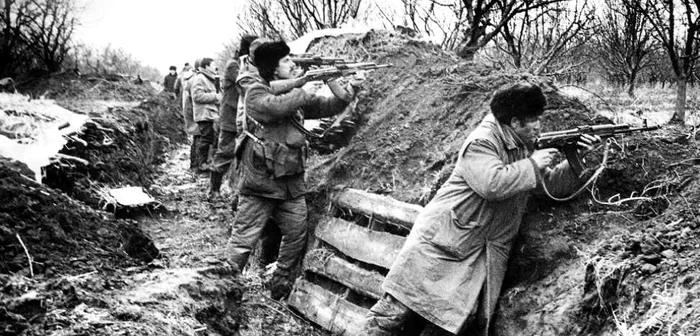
215 184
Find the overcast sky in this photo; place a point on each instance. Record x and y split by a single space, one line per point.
159 32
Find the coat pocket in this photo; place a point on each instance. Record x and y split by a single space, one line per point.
279 160
453 237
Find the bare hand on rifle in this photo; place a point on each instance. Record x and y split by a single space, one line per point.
587 143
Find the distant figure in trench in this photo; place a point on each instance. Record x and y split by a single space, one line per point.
169 80
206 100
273 160
451 267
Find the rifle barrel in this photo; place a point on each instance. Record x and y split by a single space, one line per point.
587 129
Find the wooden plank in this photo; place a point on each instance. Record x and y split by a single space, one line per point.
366 282
326 309
383 207
372 247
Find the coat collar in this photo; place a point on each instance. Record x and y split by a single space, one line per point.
510 138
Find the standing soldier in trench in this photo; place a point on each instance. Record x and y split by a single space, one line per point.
188 113
206 98
225 155
272 177
452 265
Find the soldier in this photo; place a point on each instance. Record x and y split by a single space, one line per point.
452 264
169 80
272 179
206 100
227 133
188 113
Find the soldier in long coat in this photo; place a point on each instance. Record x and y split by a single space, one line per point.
453 262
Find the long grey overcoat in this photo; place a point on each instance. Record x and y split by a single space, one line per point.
459 245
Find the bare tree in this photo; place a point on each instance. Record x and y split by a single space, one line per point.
35 32
263 18
624 43
682 50
14 18
50 31
293 18
546 40
466 25
307 15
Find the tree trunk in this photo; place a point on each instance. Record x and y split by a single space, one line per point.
630 88
679 114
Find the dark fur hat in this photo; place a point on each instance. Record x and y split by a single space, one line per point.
267 56
520 100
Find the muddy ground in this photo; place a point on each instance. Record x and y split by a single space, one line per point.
598 265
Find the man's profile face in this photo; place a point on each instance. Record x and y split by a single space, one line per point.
285 68
528 129
172 72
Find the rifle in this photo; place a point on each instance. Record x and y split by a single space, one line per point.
566 140
306 61
341 70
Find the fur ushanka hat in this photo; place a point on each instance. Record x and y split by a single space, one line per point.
268 55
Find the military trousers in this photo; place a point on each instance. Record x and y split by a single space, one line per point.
253 213
207 141
225 152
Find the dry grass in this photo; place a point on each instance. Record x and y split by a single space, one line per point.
653 103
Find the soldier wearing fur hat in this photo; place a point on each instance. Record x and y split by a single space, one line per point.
273 161
451 267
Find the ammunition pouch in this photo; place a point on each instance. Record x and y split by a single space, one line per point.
279 159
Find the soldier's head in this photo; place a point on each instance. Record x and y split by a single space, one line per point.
520 106
244 48
173 70
273 61
254 46
186 67
207 63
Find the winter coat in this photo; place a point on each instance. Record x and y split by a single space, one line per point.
247 77
273 163
169 82
187 107
229 98
204 97
460 243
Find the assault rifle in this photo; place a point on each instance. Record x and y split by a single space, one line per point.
341 70
566 140
307 60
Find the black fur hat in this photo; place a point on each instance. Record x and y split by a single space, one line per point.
521 100
267 56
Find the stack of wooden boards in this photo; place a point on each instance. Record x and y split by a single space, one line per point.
356 243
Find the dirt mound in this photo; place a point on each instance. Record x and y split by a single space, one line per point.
61 236
414 117
121 145
71 86
616 260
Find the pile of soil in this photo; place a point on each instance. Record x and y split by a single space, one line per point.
48 236
618 259
71 86
122 145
